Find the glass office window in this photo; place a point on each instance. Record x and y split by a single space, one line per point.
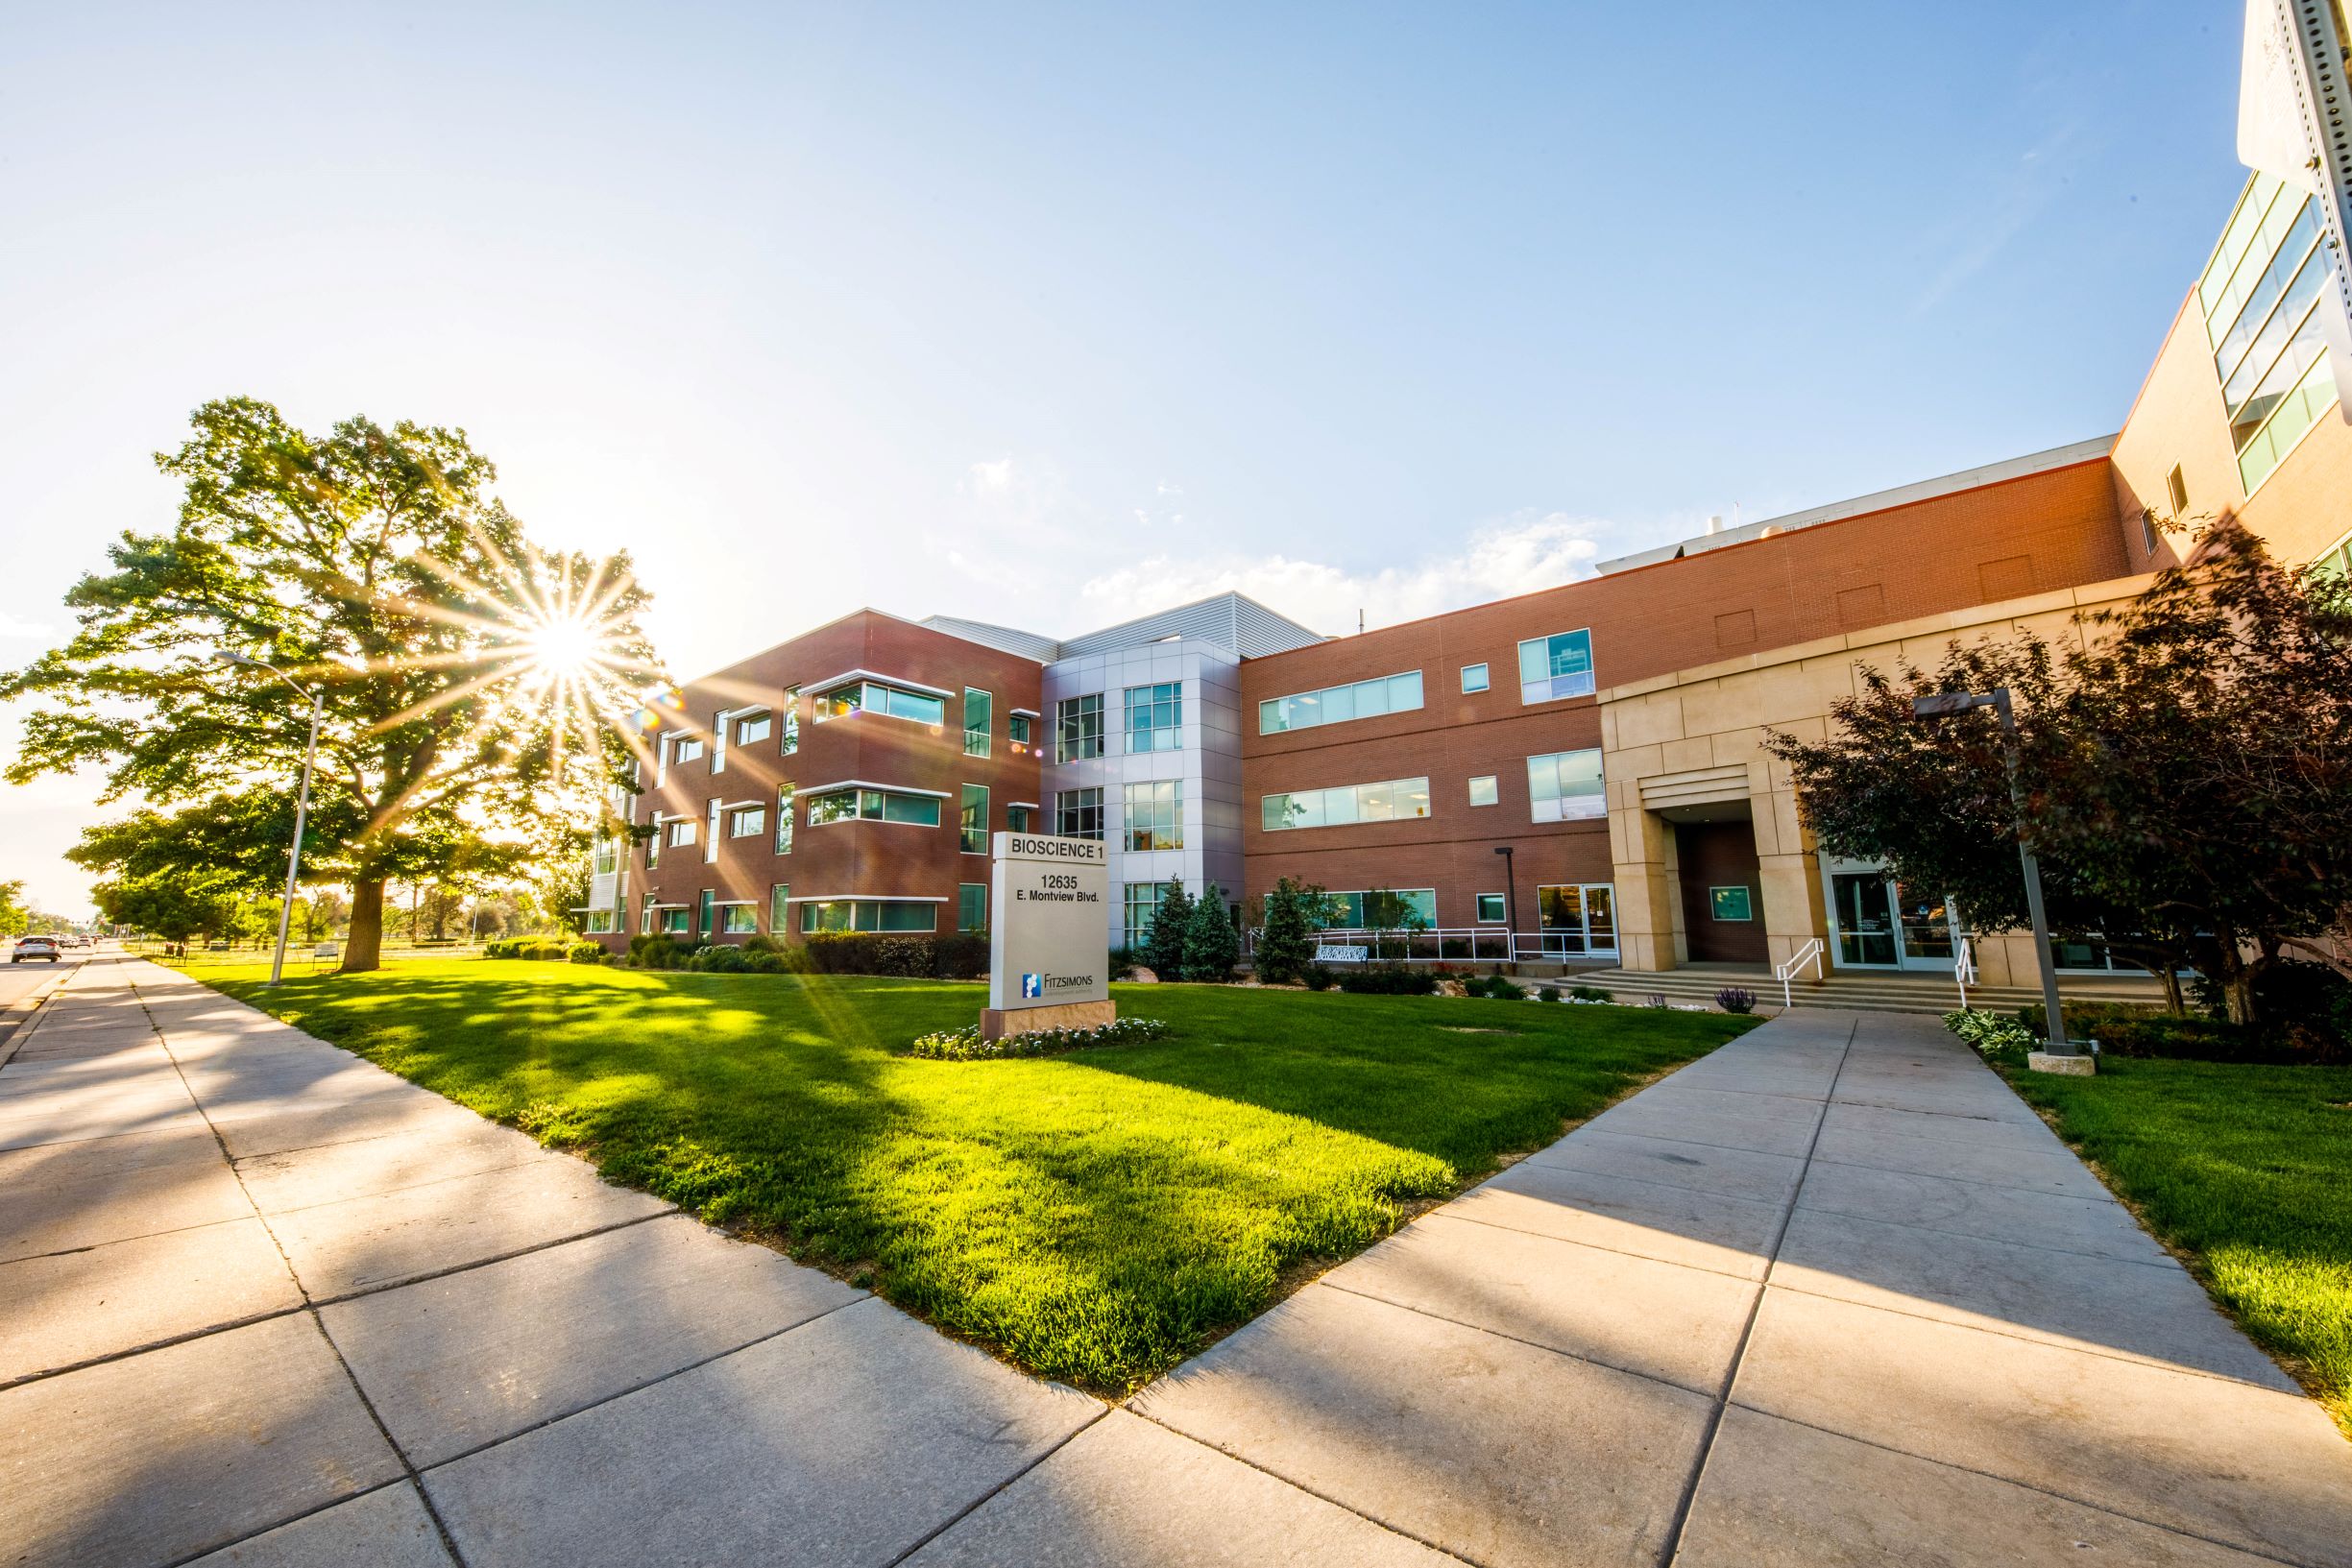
971 906
972 823
1155 716
1338 703
608 857
1390 801
784 821
780 908
1016 819
1474 678
978 705
1577 920
678 920
683 750
2335 563
1491 910
1078 814
2263 295
754 728
1077 728
831 805
601 922
739 919
747 822
1016 728
1140 903
867 915
1485 791
880 697
791 721
1566 787
1403 909
706 909
1728 903
1154 815
1553 668
682 830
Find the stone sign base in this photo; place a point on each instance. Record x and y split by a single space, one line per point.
996 1023
2076 1067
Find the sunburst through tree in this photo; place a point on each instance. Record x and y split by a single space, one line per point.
477 692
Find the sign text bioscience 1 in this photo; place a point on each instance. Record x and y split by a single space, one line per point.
1049 927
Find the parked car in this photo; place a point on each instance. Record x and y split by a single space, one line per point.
44 948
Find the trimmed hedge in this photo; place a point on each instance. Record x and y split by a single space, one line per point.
546 949
961 956
1389 981
2126 1030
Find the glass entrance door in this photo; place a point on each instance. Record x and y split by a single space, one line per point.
1861 910
1578 920
1925 927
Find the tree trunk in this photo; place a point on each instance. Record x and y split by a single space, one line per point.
363 951
2174 1003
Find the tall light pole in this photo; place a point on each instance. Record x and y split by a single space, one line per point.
302 807
1511 905
1945 705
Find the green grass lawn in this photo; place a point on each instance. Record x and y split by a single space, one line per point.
1095 1217
2247 1170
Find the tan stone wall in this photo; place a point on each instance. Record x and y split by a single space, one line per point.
1658 733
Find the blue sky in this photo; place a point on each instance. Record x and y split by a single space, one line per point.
1052 313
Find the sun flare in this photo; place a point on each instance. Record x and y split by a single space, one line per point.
562 646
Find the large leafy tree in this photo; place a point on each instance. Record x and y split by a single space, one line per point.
15 912
174 904
2186 770
472 685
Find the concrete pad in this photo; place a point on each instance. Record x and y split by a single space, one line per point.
1984 1133
86 1117
73 1307
1937 1100
1642 1117
2099 1226
78 1195
1673 1224
1130 1492
1492 1449
2148 1310
331 1173
157 1458
2057 1171
2250 1467
1705 1168
129 1067
316 1125
454 1362
1779 1495
1660 1320
366 1243
41 1048
1695 1098
844 1441
387 1528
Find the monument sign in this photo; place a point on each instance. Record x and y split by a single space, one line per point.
1048 950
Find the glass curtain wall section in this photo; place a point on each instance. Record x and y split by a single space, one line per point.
1078 814
872 805
877 697
867 915
1077 728
1155 717
1338 703
2261 296
1154 815
1141 903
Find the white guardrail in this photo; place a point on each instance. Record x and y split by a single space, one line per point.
1810 954
1964 971
1465 944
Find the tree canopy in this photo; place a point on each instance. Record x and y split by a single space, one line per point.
2187 772
463 729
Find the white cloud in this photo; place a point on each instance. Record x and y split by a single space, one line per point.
996 478
1517 556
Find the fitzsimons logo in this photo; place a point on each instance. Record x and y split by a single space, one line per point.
1031 986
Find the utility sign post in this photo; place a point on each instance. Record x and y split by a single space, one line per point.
1049 946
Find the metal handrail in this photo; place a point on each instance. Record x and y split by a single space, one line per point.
1964 971
1810 954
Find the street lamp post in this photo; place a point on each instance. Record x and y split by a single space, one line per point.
1945 705
1511 905
302 808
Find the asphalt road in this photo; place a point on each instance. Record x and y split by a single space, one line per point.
15 979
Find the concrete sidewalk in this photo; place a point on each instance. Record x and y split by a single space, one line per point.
1830 1296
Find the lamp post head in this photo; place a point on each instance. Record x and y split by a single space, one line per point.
1503 850
1944 704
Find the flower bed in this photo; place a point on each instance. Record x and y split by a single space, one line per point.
965 1044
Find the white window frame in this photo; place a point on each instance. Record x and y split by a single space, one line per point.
1555 809
1495 791
1355 805
1582 683
1501 901
1485 679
